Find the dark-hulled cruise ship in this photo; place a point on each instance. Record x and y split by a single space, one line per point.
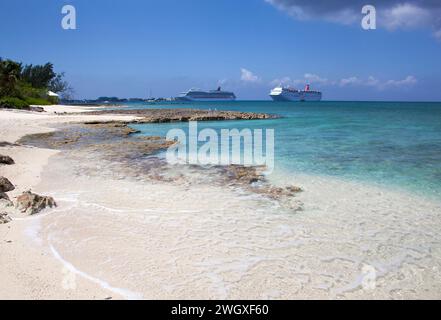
211 95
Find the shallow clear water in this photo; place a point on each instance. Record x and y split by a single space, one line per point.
387 143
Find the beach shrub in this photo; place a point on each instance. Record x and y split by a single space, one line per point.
38 101
13 103
53 100
27 90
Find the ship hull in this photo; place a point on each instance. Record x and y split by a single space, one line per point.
288 94
206 96
285 97
189 99
296 97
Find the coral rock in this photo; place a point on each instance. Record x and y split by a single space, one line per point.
31 203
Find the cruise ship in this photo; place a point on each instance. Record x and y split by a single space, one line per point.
211 95
290 94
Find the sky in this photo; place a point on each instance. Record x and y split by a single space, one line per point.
135 48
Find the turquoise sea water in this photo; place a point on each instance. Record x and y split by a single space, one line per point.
393 144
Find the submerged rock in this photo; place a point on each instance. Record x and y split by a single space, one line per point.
243 174
31 203
4 218
294 189
6 185
54 139
253 179
6 160
278 192
114 128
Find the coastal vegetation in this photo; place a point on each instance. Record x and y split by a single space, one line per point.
25 85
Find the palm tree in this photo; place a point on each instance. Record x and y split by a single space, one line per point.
9 76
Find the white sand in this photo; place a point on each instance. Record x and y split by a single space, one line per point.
126 238
30 271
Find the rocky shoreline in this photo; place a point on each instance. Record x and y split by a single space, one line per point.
181 115
113 141
133 156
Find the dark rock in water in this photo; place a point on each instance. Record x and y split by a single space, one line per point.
6 160
151 138
294 189
31 203
243 174
6 185
253 179
115 128
4 218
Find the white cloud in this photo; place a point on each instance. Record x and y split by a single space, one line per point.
408 81
310 78
349 81
313 78
354 81
282 81
391 14
373 82
405 16
248 76
307 9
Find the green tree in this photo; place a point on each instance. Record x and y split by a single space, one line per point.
39 76
30 84
9 77
61 86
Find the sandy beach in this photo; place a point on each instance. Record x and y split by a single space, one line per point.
32 272
119 233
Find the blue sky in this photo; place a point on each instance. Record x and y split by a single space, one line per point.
127 48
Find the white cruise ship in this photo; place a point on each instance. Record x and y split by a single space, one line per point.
290 94
201 95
